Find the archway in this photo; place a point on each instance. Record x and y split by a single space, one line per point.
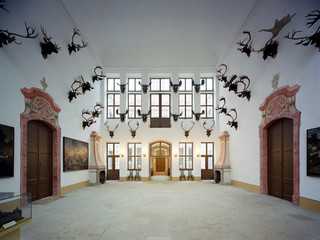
280 104
160 158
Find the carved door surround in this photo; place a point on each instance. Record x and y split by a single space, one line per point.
280 104
40 106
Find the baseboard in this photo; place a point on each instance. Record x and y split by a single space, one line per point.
247 186
145 179
73 187
122 179
197 178
175 178
310 204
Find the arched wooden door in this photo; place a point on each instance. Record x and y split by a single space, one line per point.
39 160
280 159
160 158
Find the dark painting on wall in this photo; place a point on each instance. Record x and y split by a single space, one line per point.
6 151
313 152
75 155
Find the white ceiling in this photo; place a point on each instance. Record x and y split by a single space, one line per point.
159 33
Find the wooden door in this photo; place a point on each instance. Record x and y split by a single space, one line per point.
160 165
280 159
113 162
207 171
39 160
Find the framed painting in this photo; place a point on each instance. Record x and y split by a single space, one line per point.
75 155
313 152
6 151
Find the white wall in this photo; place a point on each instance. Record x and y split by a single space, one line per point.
23 66
296 65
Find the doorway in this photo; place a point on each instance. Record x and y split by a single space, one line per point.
113 161
39 160
160 158
280 159
207 171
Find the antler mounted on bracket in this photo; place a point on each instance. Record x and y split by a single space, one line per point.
47 47
233 123
111 132
198 115
208 130
7 37
79 83
222 109
144 116
73 47
314 39
245 44
245 81
123 87
144 87
122 115
186 132
133 131
97 110
175 87
175 116
197 86
88 121
98 77
221 73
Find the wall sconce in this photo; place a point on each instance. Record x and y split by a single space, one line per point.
198 155
121 155
144 155
175 155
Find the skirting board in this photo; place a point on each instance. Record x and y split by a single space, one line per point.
73 187
144 179
247 186
310 204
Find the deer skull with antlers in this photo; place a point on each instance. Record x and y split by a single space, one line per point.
186 132
47 47
7 37
245 81
73 47
222 109
208 130
111 132
97 110
222 70
233 123
133 131
88 121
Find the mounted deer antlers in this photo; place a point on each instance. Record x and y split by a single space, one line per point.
222 109
222 71
75 91
246 46
176 116
209 130
233 123
144 87
186 132
7 37
88 121
47 47
76 47
314 39
144 116
133 132
97 110
123 87
98 77
198 115
122 115
111 132
175 87
244 93
197 86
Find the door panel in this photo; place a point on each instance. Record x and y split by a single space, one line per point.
207 171
39 160
113 161
160 165
280 159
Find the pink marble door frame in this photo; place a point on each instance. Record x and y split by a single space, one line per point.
280 104
32 97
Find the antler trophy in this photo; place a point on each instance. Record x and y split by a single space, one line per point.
47 47
111 132
144 87
186 132
133 131
175 87
98 77
73 47
144 115
208 130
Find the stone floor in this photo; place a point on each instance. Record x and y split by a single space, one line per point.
163 210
